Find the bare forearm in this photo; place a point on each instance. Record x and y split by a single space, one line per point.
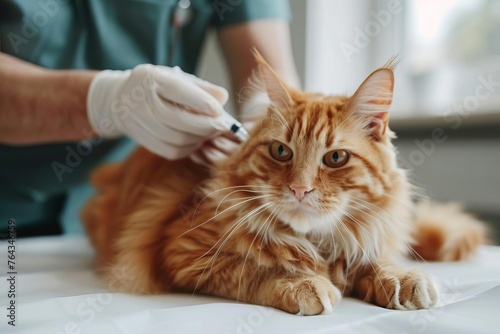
272 40
39 105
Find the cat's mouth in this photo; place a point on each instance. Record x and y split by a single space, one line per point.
302 217
300 208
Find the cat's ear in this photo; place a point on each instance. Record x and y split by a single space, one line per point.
372 101
278 92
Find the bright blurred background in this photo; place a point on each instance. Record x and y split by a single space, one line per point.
446 110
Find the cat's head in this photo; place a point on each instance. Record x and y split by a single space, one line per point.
314 159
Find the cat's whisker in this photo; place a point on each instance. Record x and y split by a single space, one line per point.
364 228
361 226
241 198
231 230
247 186
411 207
271 132
240 223
249 249
276 114
362 249
387 223
384 223
360 201
334 246
383 220
218 214
236 191
277 209
341 223
235 226
265 237
226 188
245 198
348 261
324 209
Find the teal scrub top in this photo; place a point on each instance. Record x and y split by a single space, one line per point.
42 187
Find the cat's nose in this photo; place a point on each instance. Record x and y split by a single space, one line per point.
300 191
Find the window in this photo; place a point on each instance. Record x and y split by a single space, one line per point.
449 51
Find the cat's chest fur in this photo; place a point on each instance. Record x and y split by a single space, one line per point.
308 253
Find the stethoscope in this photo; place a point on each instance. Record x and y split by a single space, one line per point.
180 18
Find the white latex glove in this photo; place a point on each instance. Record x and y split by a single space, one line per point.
215 150
164 109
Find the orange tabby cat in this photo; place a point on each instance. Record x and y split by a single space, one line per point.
312 207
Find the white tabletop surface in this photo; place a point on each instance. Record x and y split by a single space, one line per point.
58 292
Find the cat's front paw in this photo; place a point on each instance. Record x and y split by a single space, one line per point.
309 296
408 290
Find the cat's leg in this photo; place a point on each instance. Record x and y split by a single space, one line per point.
296 293
396 288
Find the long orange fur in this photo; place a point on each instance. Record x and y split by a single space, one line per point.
237 230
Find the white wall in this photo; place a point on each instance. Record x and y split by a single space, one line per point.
461 170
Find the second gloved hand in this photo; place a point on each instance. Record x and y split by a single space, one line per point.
164 109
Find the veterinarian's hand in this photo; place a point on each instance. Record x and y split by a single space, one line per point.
164 109
224 144
215 150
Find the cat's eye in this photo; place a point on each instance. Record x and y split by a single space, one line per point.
336 158
280 151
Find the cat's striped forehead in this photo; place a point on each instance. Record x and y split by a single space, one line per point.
315 118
